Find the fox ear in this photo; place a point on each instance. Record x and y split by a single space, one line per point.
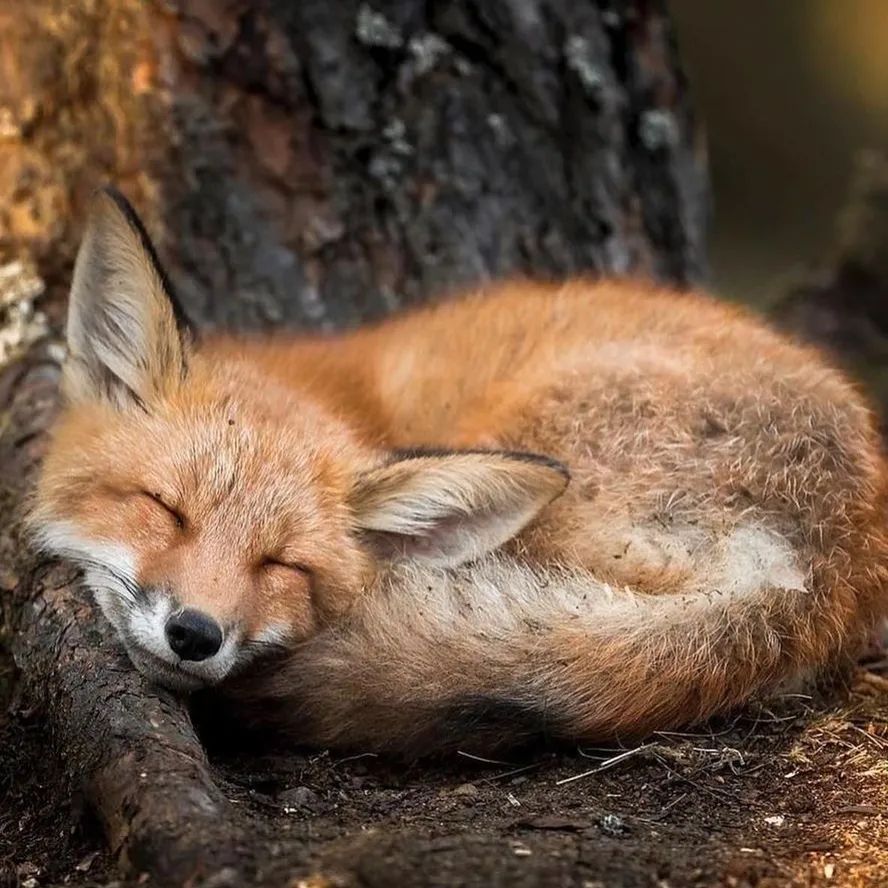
448 508
127 337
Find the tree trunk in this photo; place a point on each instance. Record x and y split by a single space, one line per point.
316 164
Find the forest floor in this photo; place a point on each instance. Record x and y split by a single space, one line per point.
792 794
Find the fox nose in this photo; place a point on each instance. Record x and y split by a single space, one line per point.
193 635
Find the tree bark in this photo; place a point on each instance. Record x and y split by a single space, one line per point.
315 164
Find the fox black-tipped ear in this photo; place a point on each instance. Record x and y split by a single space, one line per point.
127 338
448 508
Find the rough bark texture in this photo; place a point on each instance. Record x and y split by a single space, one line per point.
317 164
322 163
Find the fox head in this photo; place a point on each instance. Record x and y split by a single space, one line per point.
217 513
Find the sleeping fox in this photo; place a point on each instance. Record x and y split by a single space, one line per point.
587 510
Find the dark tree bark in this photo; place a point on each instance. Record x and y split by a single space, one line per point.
316 164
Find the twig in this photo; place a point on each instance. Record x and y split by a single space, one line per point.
606 765
511 773
722 796
661 815
352 758
487 761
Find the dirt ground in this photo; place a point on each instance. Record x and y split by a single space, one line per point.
792 794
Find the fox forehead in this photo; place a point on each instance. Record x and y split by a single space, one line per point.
212 461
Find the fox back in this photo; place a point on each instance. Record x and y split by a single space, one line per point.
585 509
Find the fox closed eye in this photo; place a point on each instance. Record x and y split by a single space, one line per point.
293 567
158 500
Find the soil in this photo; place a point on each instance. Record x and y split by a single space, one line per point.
792 794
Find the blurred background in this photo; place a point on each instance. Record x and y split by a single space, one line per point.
790 92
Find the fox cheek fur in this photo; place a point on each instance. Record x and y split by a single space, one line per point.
374 507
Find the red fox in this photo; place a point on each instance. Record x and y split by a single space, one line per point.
587 510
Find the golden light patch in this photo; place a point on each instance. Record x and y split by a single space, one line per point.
849 41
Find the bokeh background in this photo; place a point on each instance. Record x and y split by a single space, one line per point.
790 92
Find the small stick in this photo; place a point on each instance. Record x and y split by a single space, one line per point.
605 765
478 758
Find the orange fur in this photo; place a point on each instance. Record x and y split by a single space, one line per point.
722 533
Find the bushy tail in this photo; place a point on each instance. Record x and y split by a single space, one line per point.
497 652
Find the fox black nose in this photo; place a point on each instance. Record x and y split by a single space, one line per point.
193 635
